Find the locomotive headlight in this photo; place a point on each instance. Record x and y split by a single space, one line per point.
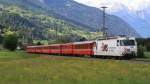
125 51
128 50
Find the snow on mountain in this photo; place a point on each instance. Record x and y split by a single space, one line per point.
135 12
133 5
42 1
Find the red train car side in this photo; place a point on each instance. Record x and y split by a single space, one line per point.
46 50
78 48
38 49
67 49
83 48
55 49
30 49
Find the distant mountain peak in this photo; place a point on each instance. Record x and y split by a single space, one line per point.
133 5
135 12
42 1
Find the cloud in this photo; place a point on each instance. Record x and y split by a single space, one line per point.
114 5
42 1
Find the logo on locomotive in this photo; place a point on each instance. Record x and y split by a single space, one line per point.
104 47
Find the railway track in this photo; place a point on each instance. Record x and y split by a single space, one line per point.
140 60
135 60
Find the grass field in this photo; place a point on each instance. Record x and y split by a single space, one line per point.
147 55
23 68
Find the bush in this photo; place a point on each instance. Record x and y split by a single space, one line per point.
39 43
147 46
10 41
1 39
141 50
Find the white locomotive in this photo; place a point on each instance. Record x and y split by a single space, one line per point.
116 46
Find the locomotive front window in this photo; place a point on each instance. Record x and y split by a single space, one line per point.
127 43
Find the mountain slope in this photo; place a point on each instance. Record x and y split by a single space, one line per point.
137 19
39 26
74 13
89 16
135 12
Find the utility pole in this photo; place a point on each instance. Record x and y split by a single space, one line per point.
104 29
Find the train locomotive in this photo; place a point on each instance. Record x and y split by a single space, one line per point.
110 47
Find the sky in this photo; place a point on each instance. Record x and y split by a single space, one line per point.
133 5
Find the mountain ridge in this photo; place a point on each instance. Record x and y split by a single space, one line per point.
87 13
87 17
136 13
139 20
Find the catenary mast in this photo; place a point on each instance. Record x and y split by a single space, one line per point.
104 29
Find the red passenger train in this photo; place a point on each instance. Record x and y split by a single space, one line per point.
119 46
78 48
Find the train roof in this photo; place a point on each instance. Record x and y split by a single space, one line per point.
84 42
44 45
117 38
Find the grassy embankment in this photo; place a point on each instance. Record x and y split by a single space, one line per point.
147 55
23 68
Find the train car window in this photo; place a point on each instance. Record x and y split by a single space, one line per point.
83 46
118 43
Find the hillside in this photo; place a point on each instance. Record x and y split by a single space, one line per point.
89 16
39 26
135 12
67 17
139 19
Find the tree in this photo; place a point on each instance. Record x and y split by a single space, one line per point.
1 39
141 50
10 41
83 39
39 43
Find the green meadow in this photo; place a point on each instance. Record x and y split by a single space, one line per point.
22 68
